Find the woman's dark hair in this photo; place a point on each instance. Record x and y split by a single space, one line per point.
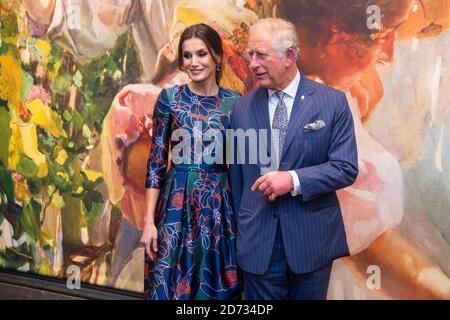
212 40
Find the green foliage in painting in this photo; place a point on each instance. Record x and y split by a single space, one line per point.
8 22
45 166
26 167
29 219
8 208
6 134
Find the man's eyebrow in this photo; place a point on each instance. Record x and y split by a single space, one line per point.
260 52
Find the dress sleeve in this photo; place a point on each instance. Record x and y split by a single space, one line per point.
159 149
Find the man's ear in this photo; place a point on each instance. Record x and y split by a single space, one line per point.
290 57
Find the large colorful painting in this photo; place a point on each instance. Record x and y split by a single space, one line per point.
78 80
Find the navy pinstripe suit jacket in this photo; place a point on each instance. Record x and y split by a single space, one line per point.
325 160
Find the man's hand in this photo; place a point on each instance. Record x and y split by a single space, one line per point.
274 184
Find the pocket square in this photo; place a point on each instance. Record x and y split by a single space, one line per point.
316 125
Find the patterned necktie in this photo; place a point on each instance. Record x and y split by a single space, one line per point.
280 123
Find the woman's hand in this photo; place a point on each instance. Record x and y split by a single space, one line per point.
150 241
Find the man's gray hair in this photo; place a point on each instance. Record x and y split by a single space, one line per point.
285 35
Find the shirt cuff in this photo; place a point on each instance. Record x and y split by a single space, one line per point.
297 190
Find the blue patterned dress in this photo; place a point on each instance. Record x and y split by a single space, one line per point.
194 216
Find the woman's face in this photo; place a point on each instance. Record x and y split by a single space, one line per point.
347 57
198 61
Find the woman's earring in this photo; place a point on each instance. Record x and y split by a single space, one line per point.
218 67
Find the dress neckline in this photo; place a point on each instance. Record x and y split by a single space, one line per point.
190 92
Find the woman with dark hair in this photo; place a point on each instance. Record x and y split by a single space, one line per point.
189 233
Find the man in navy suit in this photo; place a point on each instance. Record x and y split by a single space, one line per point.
289 223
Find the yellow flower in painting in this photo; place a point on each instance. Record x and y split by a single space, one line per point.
45 269
50 189
44 47
63 175
46 118
10 79
79 190
57 200
15 146
24 140
54 73
61 157
21 191
93 175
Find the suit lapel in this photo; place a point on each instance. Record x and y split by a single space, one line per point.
260 111
299 111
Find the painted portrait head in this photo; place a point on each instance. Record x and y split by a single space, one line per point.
340 40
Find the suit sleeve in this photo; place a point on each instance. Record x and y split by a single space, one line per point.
341 168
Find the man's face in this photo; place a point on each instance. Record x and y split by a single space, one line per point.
268 65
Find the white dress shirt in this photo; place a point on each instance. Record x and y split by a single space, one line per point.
289 95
